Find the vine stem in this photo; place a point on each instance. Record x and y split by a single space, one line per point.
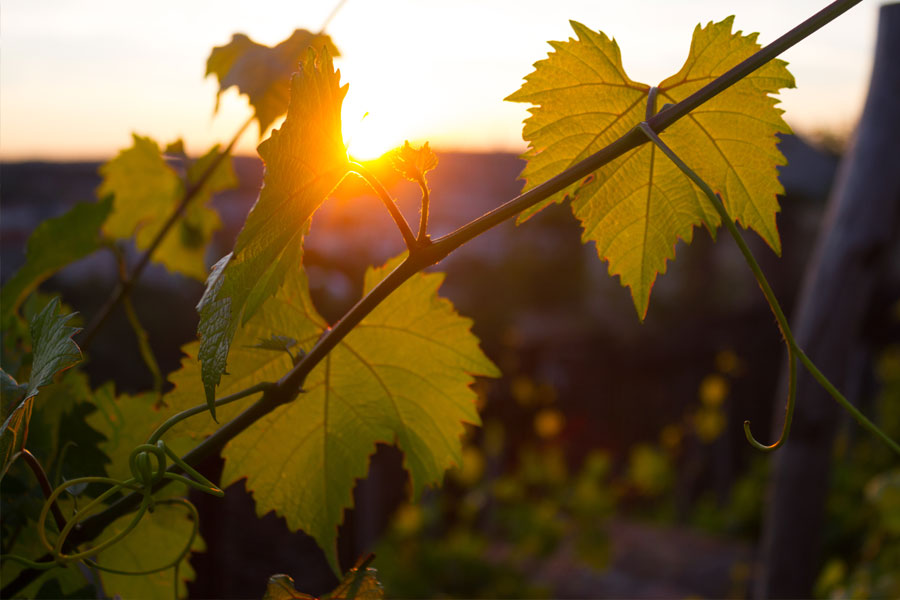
422 238
289 386
794 351
408 238
143 339
35 465
124 287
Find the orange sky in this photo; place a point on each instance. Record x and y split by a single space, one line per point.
76 78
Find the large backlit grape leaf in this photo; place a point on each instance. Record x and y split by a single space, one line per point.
53 351
305 159
262 73
638 206
146 190
54 244
157 540
401 376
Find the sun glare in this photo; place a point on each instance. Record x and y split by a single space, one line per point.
369 137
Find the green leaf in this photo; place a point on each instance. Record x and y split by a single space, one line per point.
54 244
54 425
52 346
53 351
11 393
262 73
126 422
305 159
401 376
157 540
280 343
638 206
147 190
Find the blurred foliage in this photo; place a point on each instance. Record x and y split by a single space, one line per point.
512 504
862 540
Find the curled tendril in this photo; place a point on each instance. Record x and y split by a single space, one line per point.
788 411
148 465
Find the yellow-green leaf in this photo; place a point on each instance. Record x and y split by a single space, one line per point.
157 540
638 206
262 73
126 422
401 376
146 191
305 159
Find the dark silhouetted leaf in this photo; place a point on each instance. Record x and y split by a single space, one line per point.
262 73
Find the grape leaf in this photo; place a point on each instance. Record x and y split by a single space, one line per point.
413 163
281 587
146 191
156 540
276 342
305 159
262 73
402 375
126 422
52 346
53 351
360 583
54 244
357 584
638 206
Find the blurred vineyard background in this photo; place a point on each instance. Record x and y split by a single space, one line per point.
611 461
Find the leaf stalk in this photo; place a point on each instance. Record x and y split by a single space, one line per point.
408 238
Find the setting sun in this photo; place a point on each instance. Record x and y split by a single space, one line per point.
369 137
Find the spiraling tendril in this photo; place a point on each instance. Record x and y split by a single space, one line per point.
148 465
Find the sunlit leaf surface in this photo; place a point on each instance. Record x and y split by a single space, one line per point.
146 191
157 540
305 159
401 376
638 206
